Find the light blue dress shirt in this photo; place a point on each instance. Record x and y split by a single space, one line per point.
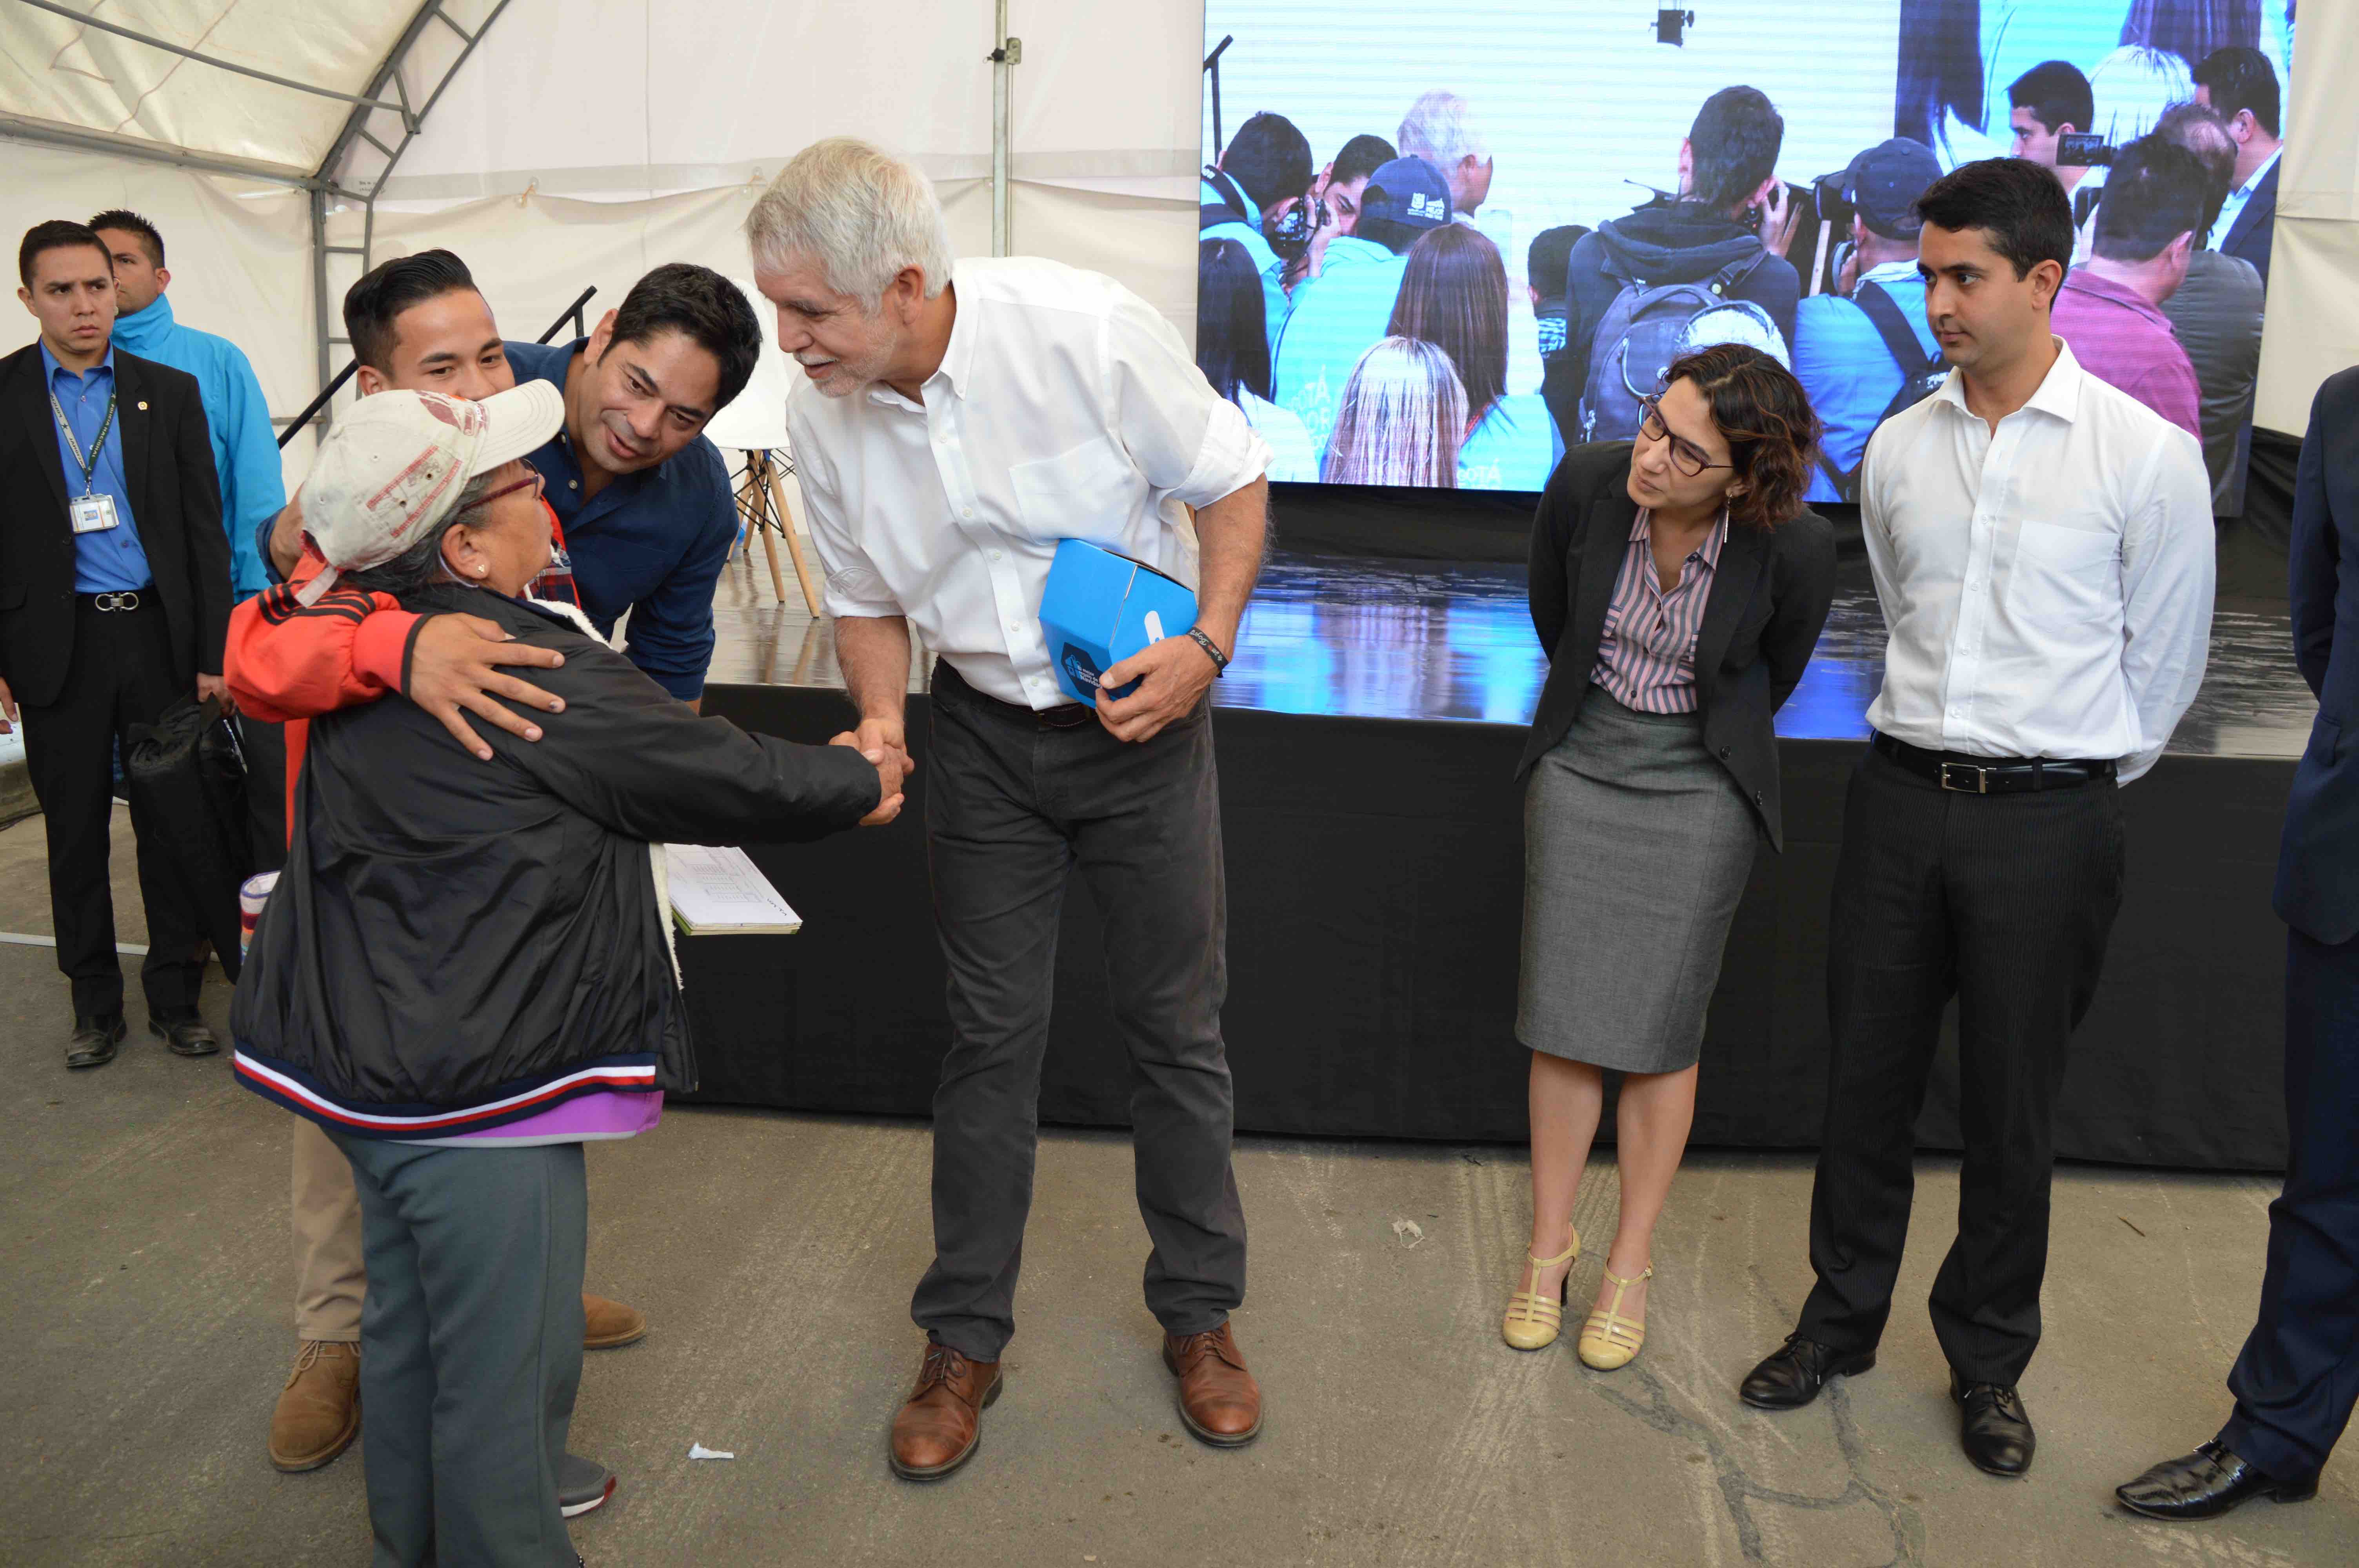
112 559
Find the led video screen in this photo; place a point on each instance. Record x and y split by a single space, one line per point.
1437 244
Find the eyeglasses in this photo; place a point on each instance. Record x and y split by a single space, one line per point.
531 480
1686 456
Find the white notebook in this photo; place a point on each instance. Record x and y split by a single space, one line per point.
721 892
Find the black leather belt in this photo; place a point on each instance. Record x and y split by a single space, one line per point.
116 603
1070 716
1993 775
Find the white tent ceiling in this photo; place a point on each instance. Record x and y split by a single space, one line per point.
74 67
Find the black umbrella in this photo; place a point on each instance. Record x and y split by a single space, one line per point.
187 777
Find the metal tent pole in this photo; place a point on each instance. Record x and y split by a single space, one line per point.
1006 55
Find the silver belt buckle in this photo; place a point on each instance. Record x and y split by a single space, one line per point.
1980 785
107 603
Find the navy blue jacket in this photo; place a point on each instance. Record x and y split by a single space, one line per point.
2251 236
2318 860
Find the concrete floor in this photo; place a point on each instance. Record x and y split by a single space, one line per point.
148 1274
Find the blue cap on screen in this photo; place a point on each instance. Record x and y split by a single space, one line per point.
1885 182
1404 197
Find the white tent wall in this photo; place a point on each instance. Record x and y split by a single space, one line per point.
2312 324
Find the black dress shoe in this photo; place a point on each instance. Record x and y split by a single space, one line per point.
2206 1485
94 1040
188 1035
1993 1427
1793 1374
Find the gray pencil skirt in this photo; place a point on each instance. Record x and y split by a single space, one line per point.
1636 847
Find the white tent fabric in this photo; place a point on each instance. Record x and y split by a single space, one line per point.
586 140
60 71
2312 324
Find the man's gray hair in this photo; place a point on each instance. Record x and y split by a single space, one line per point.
861 214
1441 128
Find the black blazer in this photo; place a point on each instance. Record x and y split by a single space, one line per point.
168 461
2318 858
1769 598
2250 236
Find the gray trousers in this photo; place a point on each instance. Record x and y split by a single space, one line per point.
470 1348
1015 801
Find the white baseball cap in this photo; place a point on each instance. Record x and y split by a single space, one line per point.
394 467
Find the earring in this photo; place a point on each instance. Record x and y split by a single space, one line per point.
483 571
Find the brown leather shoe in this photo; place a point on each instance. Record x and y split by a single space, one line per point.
319 1411
937 1430
607 1326
1218 1397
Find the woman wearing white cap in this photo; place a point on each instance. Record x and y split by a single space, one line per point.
463 974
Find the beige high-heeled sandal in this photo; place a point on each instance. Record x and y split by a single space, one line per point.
1533 1320
1609 1340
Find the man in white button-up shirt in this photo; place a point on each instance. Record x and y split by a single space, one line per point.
2042 548
957 422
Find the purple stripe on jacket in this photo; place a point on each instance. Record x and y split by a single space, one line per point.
1646 660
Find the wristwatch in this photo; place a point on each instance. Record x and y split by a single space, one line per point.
1212 651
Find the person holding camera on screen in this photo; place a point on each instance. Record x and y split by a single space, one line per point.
1866 352
1260 177
1710 243
1338 316
1333 211
2042 550
2110 308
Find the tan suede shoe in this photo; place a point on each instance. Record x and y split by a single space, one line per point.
319 1411
940 1423
608 1325
1219 1399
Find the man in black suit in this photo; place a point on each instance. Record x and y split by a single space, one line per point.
2242 86
115 600
2299 1371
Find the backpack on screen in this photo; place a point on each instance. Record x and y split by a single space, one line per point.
1642 332
1922 374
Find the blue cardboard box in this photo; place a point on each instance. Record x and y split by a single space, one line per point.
1100 608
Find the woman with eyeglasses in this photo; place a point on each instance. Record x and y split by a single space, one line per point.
1679 585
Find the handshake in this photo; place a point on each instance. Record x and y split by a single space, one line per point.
881 741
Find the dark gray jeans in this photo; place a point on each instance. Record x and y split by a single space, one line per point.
1014 802
470 1348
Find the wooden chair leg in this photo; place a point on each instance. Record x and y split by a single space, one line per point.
793 546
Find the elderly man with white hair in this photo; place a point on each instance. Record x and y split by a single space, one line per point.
1441 128
957 421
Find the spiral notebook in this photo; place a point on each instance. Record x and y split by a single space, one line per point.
721 893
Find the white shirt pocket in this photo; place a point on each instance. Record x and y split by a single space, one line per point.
1091 492
2065 575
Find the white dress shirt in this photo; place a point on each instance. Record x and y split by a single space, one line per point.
2048 585
1065 408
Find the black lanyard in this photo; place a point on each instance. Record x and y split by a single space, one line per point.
88 464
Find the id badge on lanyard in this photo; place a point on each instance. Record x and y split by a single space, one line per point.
93 513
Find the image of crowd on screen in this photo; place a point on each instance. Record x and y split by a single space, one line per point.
2161 119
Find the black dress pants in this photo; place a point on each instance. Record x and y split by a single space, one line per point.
2004 902
121 674
1014 803
2298 1374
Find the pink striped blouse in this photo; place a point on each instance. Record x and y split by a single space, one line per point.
1647 657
